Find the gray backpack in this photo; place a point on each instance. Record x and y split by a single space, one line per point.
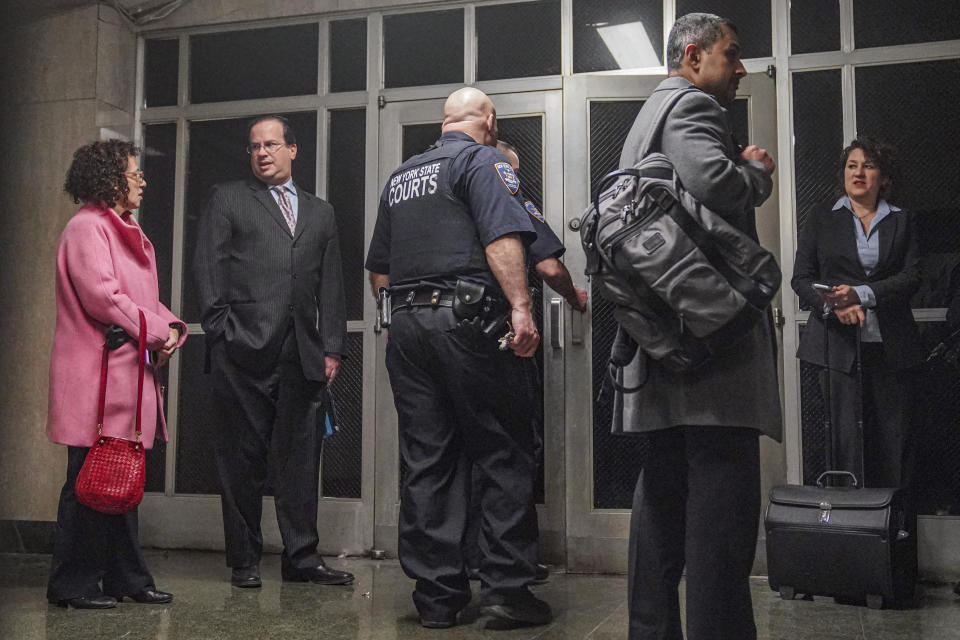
685 284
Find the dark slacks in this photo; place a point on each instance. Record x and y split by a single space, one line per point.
91 546
696 505
267 425
461 402
887 417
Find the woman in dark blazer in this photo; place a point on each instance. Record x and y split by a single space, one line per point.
865 250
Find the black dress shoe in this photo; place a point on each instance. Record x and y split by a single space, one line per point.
521 608
542 573
320 574
246 577
150 595
87 602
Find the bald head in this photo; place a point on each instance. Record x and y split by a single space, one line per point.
470 111
510 152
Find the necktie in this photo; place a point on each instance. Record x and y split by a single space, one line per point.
285 207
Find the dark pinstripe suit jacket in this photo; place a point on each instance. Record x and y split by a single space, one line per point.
255 277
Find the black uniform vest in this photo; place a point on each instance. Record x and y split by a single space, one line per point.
433 236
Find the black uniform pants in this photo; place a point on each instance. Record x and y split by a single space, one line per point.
696 505
91 546
267 424
887 403
460 401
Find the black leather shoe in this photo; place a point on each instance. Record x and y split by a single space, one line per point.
150 595
246 577
521 608
443 623
320 574
85 602
542 573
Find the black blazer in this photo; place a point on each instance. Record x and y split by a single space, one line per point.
827 253
255 277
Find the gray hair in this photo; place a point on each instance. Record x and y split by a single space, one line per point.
701 29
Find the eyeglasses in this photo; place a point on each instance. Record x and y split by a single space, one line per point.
270 147
135 175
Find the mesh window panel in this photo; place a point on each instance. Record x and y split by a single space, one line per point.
878 23
345 186
156 458
907 105
260 63
156 211
936 428
818 138
196 469
616 34
342 464
616 459
814 26
752 18
501 27
216 155
161 61
526 134
417 137
415 55
348 55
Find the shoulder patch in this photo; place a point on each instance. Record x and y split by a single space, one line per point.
507 175
532 210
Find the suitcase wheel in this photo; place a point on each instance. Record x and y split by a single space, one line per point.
786 593
874 601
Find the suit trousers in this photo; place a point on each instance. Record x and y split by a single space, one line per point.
696 506
267 431
461 402
887 403
91 546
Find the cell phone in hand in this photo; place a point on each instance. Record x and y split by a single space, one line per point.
822 287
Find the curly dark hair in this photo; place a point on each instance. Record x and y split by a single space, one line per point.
879 153
97 172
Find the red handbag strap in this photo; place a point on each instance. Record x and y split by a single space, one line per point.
141 351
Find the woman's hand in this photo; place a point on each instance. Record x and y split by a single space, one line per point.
842 296
852 314
163 355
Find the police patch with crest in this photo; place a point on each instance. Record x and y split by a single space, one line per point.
532 210
507 175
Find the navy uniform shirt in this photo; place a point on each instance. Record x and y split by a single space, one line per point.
547 244
456 194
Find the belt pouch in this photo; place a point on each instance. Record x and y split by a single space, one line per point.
467 300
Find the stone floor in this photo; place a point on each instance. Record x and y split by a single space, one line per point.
378 607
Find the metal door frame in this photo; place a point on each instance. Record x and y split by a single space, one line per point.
548 105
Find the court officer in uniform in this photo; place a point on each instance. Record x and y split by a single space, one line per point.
449 243
542 256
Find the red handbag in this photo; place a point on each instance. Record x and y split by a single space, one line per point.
111 479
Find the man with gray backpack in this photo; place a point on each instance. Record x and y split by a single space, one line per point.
697 501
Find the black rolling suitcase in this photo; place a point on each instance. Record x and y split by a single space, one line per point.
855 544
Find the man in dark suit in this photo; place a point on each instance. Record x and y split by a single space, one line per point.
268 269
697 501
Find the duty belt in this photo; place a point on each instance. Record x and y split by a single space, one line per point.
422 298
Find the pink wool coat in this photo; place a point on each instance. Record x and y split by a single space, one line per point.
106 271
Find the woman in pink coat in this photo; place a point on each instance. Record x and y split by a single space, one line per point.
106 274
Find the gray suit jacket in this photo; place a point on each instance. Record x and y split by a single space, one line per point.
741 388
255 277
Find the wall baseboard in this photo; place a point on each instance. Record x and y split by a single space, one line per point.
27 536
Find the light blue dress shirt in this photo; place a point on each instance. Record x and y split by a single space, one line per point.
291 192
868 250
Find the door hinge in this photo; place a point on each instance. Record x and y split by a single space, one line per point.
778 319
381 102
771 71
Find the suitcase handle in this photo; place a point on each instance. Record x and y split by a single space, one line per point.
837 474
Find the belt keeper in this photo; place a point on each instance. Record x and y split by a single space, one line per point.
435 298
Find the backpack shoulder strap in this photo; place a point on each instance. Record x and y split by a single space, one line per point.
652 141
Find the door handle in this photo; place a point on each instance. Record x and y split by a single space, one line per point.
556 318
576 326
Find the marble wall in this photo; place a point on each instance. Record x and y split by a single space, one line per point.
67 76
